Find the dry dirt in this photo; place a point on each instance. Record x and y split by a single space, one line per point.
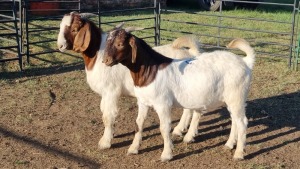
51 119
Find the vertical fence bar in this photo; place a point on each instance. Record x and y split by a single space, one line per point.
79 6
155 23
292 34
99 17
26 29
219 23
17 33
297 46
158 24
21 26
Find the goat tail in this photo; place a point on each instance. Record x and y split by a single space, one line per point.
191 42
244 46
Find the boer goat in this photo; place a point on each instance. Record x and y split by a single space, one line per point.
82 35
202 83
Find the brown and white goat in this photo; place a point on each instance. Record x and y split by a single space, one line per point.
202 83
81 35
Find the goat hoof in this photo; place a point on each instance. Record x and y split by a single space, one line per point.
103 144
132 152
228 146
166 158
238 156
188 139
177 132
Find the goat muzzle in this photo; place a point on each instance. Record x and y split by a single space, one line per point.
108 61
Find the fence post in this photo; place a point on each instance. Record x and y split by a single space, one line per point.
292 34
157 22
219 23
99 17
26 29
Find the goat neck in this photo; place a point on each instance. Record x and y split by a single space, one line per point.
147 63
90 54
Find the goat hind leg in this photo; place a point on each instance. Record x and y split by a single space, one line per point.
183 123
241 143
193 129
238 130
232 136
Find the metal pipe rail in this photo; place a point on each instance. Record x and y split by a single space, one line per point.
287 43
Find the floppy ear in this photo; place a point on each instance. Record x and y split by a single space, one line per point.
82 39
132 43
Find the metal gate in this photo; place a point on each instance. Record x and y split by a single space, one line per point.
38 40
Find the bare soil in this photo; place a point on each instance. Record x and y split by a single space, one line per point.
51 119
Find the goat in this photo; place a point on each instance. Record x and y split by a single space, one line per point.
82 35
203 83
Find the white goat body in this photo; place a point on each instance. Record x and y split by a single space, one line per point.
203 83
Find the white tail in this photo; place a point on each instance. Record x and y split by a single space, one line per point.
244 46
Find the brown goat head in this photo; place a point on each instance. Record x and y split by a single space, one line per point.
76 33
121 46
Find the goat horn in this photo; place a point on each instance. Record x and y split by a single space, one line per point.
131 29
120 25
87 15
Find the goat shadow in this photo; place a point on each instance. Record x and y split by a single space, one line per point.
273 112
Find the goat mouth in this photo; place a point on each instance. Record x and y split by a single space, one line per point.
111 63
62 49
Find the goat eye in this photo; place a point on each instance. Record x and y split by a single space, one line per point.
119 45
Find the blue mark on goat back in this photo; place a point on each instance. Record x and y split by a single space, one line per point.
185 63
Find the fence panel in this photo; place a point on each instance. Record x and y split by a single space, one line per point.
10 31
41 19
270 35
42 23
132 17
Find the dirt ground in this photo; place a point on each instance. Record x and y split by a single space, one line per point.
51 119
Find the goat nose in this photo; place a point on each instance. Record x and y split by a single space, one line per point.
61 46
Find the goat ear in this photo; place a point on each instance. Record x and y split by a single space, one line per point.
82 39
132 43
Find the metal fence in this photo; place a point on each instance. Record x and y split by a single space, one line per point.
10 32
41 18
214 29
217 29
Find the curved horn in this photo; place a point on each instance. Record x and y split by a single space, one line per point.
87 15
120 25
131 29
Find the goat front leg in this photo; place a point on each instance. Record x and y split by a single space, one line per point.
183 123
165 128
109 109
142 115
